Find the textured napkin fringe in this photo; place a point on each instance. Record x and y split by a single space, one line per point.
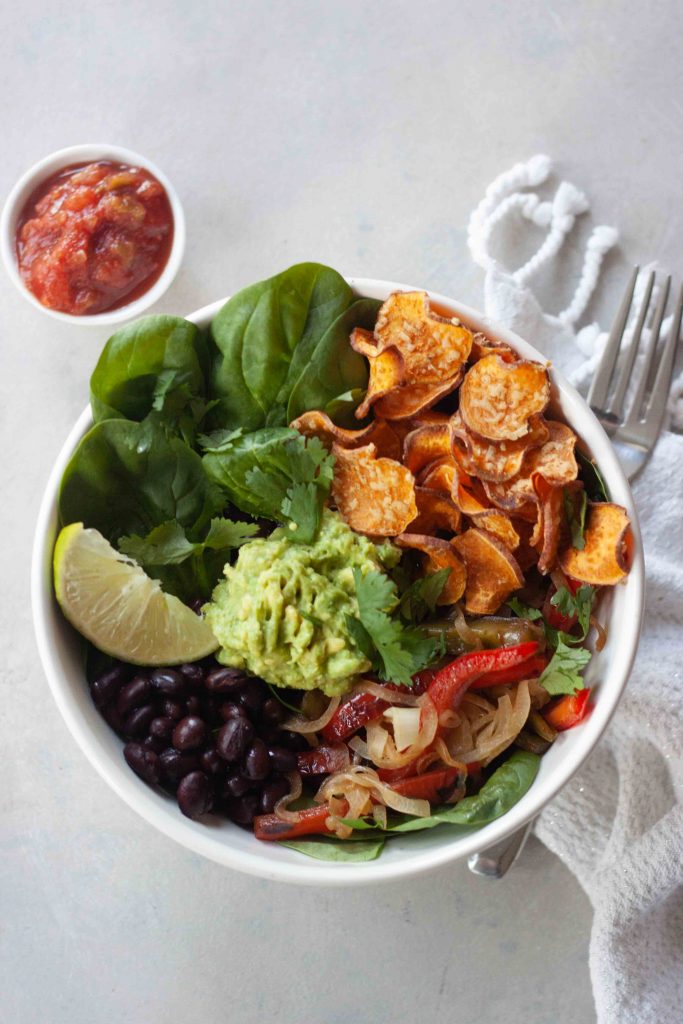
618 824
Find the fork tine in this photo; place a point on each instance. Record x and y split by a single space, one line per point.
597 396
634 415
660 389
617 403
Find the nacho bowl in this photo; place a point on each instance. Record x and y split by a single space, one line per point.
621 611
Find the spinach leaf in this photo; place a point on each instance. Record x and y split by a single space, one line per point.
333 368
595 486
575 512
337 849
265 336
276 473
503 790
127 477
156 363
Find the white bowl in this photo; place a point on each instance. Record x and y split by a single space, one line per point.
61 654
83 155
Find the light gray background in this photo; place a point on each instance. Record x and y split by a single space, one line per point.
361 135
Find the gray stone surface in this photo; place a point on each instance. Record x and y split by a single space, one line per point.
362 135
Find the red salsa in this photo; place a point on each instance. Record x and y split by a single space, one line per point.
94 237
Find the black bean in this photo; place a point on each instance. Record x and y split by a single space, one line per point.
194 705
144 763
154 743
195 796
162 728
229 710
225 680
272 791
168 682
252 695
137 723
242 810
236 784
193 672
281 759
294 741
133 694
189 733
234 737
211 762
174 709
256 761
273 711
113 718
174 766
106 687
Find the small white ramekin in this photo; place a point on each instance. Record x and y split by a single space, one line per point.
82 155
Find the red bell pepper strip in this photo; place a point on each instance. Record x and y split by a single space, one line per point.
311 823
324 760
503 677
451 682
566 712
408 771
354 713
434 786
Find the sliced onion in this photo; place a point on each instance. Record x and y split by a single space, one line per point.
378 739
280 809
601 638
359 747
298 723
403 696
345 783
485 729
445 755
379 813
469 636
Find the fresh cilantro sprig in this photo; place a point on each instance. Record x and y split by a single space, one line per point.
419 598
563 672
576 517
395 651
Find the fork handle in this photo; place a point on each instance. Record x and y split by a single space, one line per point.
497 860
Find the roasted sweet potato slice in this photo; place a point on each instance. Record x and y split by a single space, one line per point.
492 572
373 495
603 562
554 459
496 461
497 399
435 511
440 554
386 371
425 445
379 432
499 524
440 475
433 347
546 536
484 346
412 400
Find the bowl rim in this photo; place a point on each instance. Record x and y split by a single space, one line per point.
85 153
145 801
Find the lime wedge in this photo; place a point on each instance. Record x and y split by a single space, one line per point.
116 605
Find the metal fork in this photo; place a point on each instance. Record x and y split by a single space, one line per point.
633 436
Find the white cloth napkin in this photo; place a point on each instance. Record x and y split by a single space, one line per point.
618 825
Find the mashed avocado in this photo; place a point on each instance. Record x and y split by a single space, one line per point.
281 611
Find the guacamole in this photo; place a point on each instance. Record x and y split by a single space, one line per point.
281 611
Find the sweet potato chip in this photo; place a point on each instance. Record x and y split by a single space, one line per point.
555 458
440 554
386 370
496 461
484 346
546 535
425 445
318 424
435 511
433 347
440 475
492 572
468 494
497 399
405 402
499 524
603 561
373 495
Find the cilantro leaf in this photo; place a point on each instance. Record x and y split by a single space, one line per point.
576 517
563 673
396 652
218 440
524 611
419 599
579 605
